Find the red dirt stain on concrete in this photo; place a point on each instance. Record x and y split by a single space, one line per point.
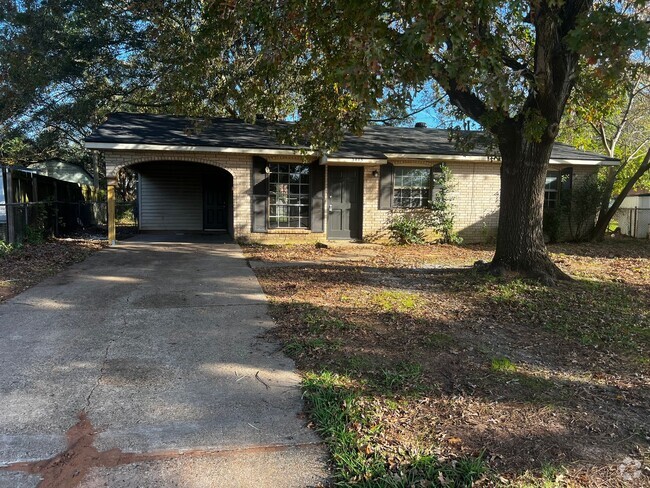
68 469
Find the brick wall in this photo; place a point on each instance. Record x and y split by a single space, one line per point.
475 195
238 165
475 200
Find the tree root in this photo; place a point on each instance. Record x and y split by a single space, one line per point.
543 270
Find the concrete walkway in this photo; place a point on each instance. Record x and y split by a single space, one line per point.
144 366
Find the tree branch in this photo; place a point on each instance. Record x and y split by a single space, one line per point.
604 219
421 109
517 66
626 113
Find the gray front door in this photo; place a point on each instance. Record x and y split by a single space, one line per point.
344 219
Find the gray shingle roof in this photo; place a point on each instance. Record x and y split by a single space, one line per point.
375 143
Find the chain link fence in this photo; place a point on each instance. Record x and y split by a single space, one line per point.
633 222
23 221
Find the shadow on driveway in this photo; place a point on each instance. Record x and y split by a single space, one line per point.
158 341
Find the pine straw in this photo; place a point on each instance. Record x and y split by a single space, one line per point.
32 263
550 384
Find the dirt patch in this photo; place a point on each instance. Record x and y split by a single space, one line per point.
32 263
70 467
546 384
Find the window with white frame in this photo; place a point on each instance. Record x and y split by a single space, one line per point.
411 187
551 189
288 195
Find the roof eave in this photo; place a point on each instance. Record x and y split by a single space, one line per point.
129 146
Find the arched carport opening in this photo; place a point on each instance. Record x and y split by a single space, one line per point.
184 196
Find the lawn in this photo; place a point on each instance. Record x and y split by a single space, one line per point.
419 371
27 265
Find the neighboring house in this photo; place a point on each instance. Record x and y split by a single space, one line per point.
225 174
633 216
54 186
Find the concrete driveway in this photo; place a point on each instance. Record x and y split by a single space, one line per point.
144 366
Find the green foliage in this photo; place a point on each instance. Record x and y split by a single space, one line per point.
395 300
503 365
344 420
319 320
612 119
576 210
331 65
442 206
402 376
35 233
12 150
535 125
408 228
595 313
552 223
585 200
5 248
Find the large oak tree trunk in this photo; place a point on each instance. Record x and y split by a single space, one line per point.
520 237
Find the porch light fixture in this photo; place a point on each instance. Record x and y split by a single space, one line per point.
375 173
267 169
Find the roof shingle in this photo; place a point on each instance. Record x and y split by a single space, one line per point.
375 143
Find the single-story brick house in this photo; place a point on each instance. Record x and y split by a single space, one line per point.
226 174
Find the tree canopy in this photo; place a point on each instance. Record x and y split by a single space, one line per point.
331 66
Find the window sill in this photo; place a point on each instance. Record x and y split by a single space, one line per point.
288 230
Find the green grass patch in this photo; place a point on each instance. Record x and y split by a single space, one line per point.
357 365
319 320
346 424
395 300
534 384
548 476
503 365
402 376
594 313
296 347
511 292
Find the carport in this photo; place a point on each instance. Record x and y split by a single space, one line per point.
181 196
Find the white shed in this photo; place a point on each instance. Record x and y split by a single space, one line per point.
634 216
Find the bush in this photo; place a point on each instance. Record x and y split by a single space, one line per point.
407 229
441 207
36 231
585 203
5 249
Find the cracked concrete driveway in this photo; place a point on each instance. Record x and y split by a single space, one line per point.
144 366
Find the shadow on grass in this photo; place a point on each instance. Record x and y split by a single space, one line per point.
621 247
350 433
446 348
